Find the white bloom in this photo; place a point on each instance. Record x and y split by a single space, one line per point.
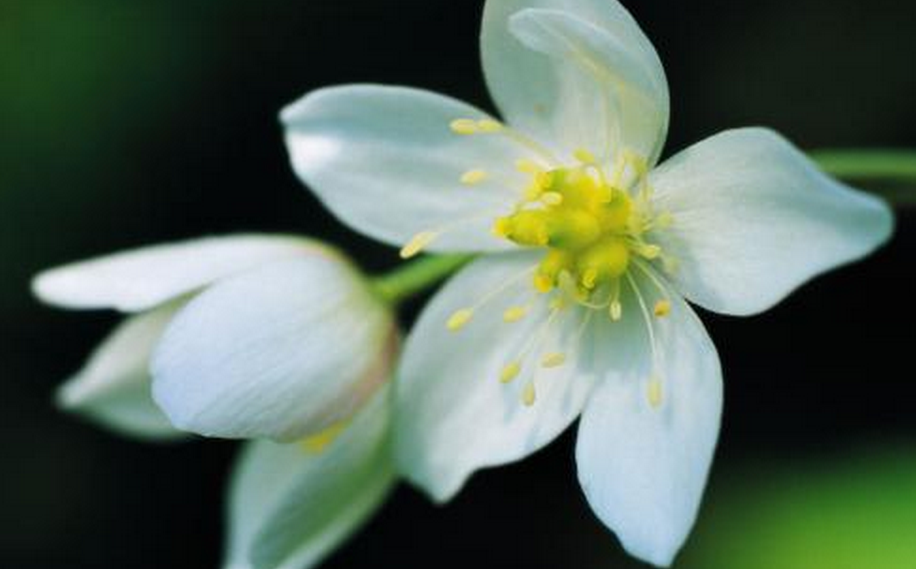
579 307
292 504
258 336
255 336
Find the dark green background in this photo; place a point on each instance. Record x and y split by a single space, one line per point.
125 123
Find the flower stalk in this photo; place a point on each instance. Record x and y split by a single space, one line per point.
413 277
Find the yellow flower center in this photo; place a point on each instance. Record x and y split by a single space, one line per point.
590 227
594 224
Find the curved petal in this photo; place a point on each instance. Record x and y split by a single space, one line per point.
753 219
384 160
454 415
138 280
290 507
554 66
647 435
279 352
113 388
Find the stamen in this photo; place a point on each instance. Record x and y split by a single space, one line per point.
584 156
464 126
473 177
489 126
662 308
654 392
653 345
459 318
528 394
554 359
552 198
515 313
417 243
615 310
318 442
663 305
526 166
647 250
510 372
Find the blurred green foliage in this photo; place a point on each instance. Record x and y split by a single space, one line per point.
854 512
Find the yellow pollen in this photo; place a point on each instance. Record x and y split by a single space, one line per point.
510 372
584 156
649 251
543 283
662 308
464 126
459 318
472 177
489 126
593 227
417 243
514 313
318 442
526 166
654 392
615 310
555 359
528 394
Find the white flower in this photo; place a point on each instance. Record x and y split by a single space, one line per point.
254 336
578 306
291 504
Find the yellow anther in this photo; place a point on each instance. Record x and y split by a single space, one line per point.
464 126
510 372
489 126
526 166
528 394
472 177
514 313
654 392
459 318
662 308
554 359
528 227
589 278
319 441
552 198
501 227
584 156
615 310
543 283
649 251
417 243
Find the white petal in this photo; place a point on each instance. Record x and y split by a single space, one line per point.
140 279
113 388
577 72
754 219
643 466
279 352
385 161
290 507
454 415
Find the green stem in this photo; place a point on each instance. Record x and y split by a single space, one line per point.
416 276
881 165
893 169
